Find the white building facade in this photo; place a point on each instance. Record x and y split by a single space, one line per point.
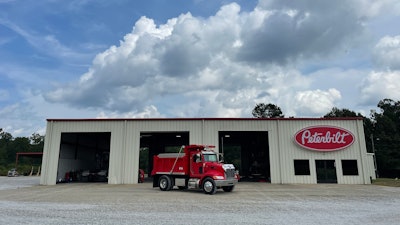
289 150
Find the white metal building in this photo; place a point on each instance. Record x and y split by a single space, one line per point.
281 151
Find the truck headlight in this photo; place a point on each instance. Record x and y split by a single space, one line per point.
218 177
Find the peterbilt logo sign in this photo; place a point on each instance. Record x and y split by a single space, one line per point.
324 138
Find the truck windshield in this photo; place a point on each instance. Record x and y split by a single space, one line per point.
210 158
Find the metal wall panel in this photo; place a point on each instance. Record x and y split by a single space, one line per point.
50 156
290 151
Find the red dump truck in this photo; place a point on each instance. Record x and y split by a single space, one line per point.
196 167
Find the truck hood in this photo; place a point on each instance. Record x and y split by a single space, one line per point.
228 166
216 166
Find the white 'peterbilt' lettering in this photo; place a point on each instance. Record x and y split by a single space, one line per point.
337 138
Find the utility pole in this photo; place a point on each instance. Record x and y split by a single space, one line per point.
373 150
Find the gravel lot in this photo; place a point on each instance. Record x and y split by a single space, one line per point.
24 201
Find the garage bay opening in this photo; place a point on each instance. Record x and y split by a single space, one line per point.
154 143
248 151
84 157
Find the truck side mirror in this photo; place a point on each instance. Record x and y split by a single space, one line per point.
196 158
221 158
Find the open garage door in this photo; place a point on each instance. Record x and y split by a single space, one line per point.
248 151
153 143
84 157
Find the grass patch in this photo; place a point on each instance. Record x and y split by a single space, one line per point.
387 182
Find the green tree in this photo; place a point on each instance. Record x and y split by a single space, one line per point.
5 141
36 139
5 137
9 146
386 133
37 142
19 144
262 110
336 112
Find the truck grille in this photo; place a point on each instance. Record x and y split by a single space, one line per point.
229 173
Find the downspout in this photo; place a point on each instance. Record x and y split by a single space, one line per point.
124 135
360 149
202 130
279 151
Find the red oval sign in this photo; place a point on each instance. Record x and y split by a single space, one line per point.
324 138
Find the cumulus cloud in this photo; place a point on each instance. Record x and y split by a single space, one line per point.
17 122
373 8
380 85
387 52
148 112
217 66
316 102
288 30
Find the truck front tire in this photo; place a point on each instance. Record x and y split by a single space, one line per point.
165 183
209 186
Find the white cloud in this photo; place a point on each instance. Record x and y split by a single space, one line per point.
316 102
148 112
387 52
46 44
346 81
380 85
316 29
225 63
17 120
373 8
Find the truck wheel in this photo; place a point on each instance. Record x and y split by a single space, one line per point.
165 183
209 186
228 188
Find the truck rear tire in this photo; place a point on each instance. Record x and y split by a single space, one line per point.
165 183
209 186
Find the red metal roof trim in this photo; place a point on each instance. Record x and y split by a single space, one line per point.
187 119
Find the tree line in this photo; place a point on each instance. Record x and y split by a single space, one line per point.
381 130
9 146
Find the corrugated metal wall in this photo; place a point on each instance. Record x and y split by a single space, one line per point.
125 144
289 151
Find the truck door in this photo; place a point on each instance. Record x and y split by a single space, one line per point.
196 165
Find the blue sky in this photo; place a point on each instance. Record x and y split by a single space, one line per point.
193 58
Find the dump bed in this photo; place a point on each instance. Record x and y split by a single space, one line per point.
170 163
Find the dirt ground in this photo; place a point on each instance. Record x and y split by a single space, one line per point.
24 201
